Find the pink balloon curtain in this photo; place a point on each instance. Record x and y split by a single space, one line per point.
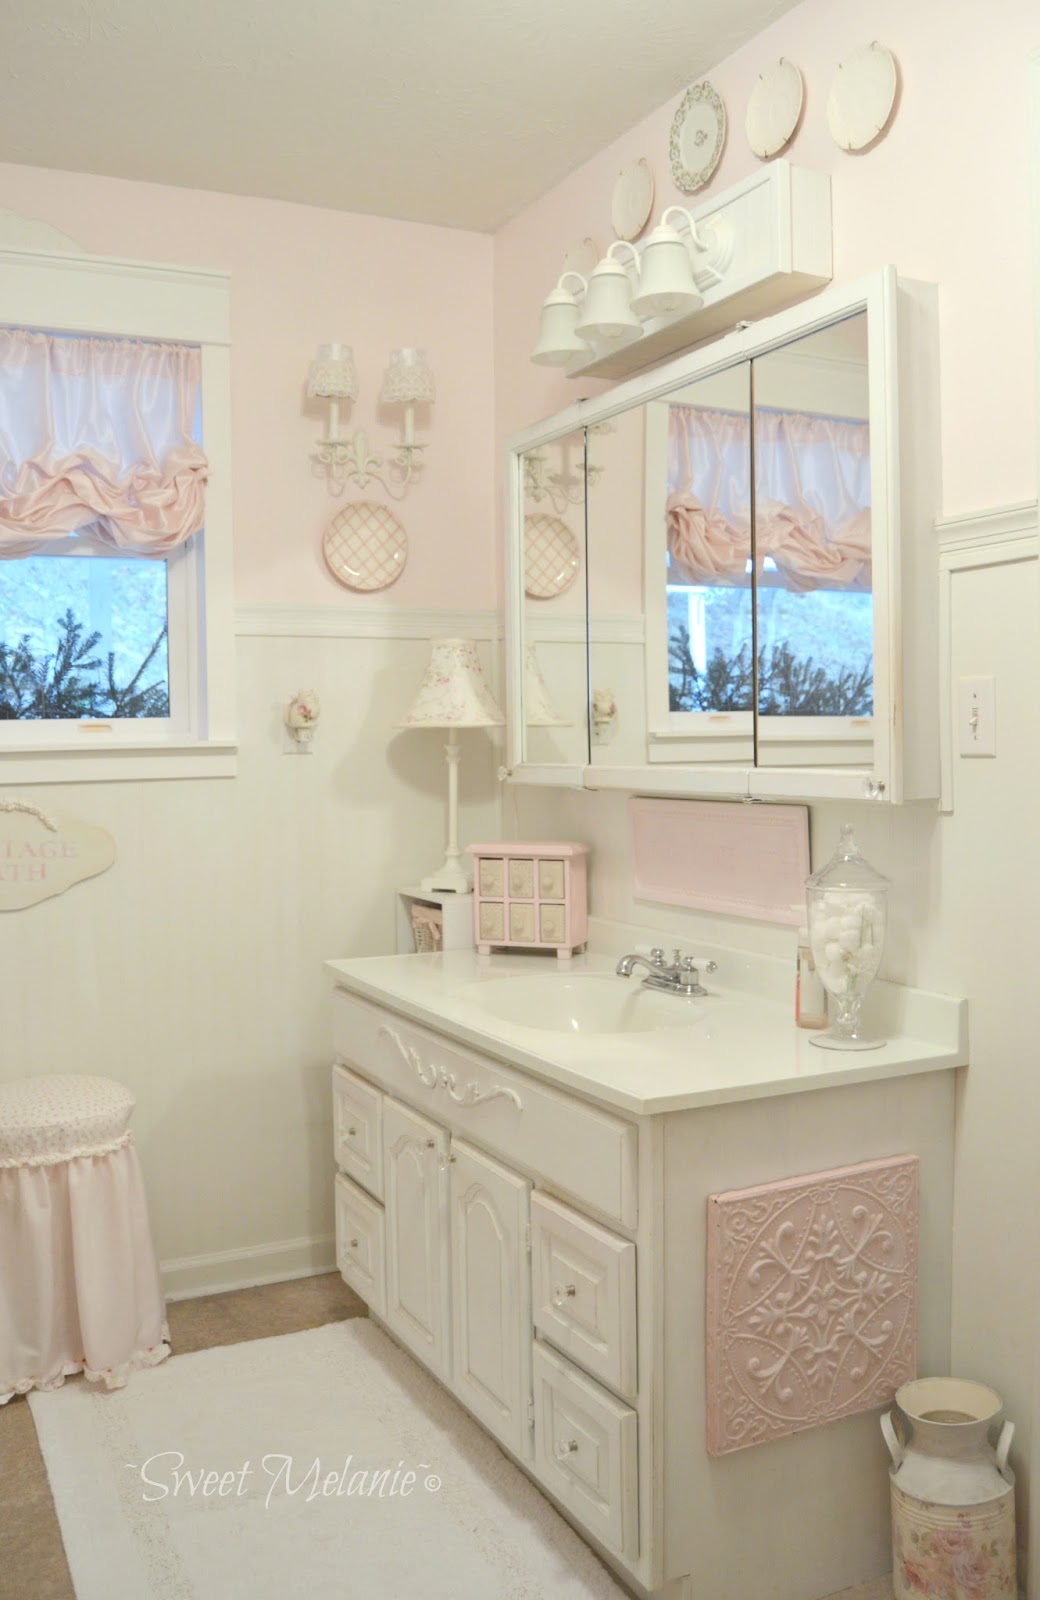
96 437
812 498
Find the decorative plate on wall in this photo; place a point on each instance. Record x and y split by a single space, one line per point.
633 199
698 135
774 108
365 546
581 256
863 92
551 556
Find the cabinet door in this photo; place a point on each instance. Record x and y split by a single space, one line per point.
491 1294
415 1176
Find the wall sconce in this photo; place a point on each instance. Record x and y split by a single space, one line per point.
667 277
301 718
408 382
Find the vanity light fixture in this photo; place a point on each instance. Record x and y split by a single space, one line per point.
668 274
408 382
557 341
452 695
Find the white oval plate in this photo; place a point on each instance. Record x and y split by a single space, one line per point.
365 547
581 257
698 135
774 108
551 556
633 199
863 92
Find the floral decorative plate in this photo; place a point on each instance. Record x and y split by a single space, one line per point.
365 546
551 556
774 108
698 135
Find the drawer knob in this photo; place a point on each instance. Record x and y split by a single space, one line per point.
351 1133
564 1291
431 1144
354 1243
568 1448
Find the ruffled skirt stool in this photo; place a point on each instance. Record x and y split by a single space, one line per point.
79 1282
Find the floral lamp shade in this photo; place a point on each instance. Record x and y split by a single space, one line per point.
539 711
453 693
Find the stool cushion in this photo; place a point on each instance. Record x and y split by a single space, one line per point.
59 1116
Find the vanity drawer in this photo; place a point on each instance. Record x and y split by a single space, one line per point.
586 1451
357 1129
586 1152
361 1243
584 1292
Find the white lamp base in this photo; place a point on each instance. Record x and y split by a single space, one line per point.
451 878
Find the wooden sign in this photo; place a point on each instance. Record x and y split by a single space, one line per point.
44 852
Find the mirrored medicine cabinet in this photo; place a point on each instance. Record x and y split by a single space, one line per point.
721 578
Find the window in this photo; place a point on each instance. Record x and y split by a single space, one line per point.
116 641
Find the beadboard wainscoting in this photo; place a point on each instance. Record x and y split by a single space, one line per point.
192 970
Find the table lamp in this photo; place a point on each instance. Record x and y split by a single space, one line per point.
452 695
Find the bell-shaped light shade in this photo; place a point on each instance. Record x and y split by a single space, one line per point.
608 313
332 374
453 693
539 711
666 282
408 379
557 341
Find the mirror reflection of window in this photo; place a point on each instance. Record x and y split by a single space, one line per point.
700 611
814 603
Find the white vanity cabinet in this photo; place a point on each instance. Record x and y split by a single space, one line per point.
543 1252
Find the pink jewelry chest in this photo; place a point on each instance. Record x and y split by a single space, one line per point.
530 894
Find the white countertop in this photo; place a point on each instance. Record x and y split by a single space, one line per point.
742 1045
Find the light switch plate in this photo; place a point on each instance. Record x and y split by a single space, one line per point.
977 716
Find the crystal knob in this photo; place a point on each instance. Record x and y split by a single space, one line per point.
568 1448
564 1291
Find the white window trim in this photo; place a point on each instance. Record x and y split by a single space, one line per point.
128 299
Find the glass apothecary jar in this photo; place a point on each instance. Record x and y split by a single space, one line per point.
848 908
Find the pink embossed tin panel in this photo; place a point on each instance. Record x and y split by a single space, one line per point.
811 1300
743 860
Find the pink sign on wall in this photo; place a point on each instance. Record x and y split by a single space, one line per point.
811 1300
44 852
744 861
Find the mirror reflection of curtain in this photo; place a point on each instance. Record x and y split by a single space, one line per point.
812 498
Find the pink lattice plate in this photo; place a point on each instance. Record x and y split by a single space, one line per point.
365 546
551 556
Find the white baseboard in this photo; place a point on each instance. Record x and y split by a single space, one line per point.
188 1276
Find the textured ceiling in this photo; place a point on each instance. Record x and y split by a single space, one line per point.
448 111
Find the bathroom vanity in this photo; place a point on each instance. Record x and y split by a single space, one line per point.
524 1164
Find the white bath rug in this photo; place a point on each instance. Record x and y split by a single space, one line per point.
324 1464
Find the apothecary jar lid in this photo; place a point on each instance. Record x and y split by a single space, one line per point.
847 869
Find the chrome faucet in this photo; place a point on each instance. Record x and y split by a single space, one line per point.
681 977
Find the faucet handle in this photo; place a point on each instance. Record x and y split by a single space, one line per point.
697 963
657 956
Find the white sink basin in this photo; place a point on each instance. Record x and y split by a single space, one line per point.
584 1003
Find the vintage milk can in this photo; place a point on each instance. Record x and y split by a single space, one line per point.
953 1495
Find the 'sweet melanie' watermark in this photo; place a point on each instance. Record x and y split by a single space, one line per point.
166 1473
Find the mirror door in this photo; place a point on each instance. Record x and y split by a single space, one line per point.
554 684
814 614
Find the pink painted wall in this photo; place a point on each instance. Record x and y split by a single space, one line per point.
302 276
944 196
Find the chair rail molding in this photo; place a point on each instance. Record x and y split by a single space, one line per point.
275 620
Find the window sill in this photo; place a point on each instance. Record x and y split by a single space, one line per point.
68 762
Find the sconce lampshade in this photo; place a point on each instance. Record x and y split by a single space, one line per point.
332 374
608 311
557 341
539 711
408 379
453 693
666 283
